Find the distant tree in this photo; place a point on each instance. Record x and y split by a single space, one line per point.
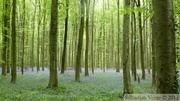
126 71
92 37
80 44
65 38
23 37
118 21
165 40
43 36
153 53
53 81
8 58
6 19
38 35
141 41
13 46
87 38
133 42
33 31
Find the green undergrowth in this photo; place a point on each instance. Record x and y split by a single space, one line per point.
99 86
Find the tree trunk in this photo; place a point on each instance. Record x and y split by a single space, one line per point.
165 41
38 37
118 21
5 29
92 46
43 36
80 44
65 39
8 58
153 52
134 55
141 43
13 46
32 44
53 81
87 38
126 71
23 38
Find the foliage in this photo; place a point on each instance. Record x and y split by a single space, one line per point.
100 86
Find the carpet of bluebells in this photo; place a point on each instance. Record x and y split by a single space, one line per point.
100 86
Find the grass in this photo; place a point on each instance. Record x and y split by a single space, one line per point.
99 86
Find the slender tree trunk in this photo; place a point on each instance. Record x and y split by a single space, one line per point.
5 29
38 37
165 40
8 38
65 39
153 52
80 44
53 81
141 43
23 37
126 71
32 44
87 38
92 46
43 36
134 55
118 21
13 46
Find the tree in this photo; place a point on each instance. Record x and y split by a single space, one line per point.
118 21
65 38
141 42
6 19
44 31
23 37
133 42
87 38
165 49
126 71
33 31
80 43
13 46
53 81
92 46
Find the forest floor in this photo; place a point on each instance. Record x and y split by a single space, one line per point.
100 86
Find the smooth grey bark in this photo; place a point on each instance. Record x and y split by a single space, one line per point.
165 49
53 81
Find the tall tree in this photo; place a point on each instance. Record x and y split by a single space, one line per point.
65 38
133 49
13 46
53 81
44 31
92 46
80 44
118 21
23 37
8 58
126 71
141 41
38 36
32 44
87 38
6 15
166 58
153 52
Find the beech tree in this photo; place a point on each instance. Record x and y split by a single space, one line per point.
126 71
165 41
13 46
53 81
80 44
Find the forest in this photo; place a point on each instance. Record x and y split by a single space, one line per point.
88 50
